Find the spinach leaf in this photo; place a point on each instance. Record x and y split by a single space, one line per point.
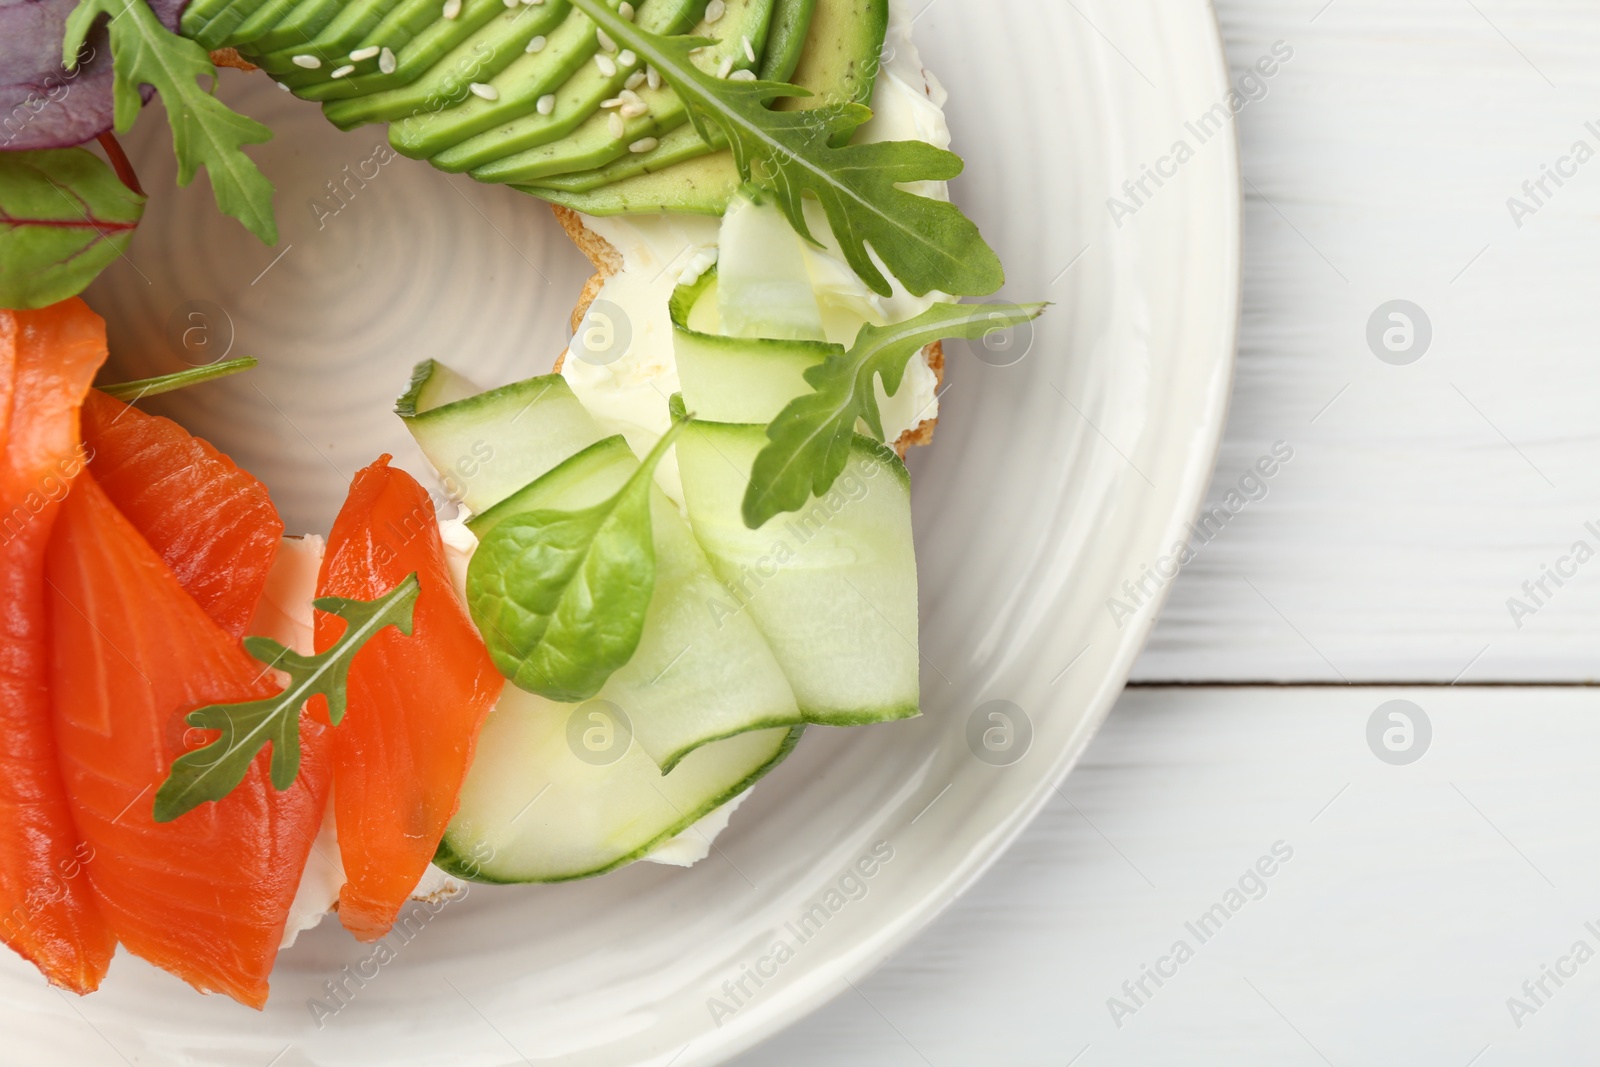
560 596
809 442
64 217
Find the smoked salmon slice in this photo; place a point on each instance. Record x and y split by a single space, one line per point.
205 896
212 523
415 704
47 910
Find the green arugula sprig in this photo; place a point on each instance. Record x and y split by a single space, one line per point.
809 441
927 244
64 217
167 383
560 596
214 770
205 131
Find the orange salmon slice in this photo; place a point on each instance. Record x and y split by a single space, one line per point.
48 912
205 896
415 705
212 523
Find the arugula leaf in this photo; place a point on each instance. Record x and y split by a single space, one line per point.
215 770
64 217
560 596
167 383
927 244
205 131
809 441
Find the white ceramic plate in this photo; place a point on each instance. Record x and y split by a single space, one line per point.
1052 482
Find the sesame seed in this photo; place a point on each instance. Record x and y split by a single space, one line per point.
510 3
363 53
635 79
726 68
451 8
616 126
715 10
308 62
484 92
628 96
627 59
605 40
625 9
342 71
633 111
644 144
607 66
386 61
652 78
284 87
546 104
742 76
537 44
749 49
615 101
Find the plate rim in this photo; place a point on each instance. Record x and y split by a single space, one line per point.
851 966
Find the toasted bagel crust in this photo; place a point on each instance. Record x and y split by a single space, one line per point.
230 57
608 261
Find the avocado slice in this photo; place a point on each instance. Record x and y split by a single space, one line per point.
263 19
700 186
428 49
790 21
212 24
676 146
839 62
302 23
593 143
476 130
365 23
229 26
465 91
433 72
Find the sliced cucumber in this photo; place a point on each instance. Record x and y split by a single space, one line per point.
833 588
701 673
532 810
764 288
729 379
734 379
434 385
490 445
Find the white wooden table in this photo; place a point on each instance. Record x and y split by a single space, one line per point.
1425 905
